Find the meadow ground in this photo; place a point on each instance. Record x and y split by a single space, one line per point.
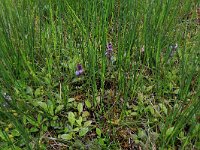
99 74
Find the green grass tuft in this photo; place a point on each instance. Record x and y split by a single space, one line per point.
62 87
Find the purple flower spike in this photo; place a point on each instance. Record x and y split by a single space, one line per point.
109 46
109 50
79 70
79 67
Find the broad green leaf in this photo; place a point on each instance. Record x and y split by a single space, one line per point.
15 133
88 104
154 135
75 104
87 123
80 108
98 99
76 129
24 120
71 118
2 136
149 88
66 136
114 121
181 134
176 91
38 91
169 131
137 141
71 100
85 114
34 129
59 108
134 136
29 90
163 108
55 118
17 148
79 121
43 105
83 131
39 118
140 97
134 114
98 131
44 128
101 141
32 121
141 134
50 107
135 107
151 109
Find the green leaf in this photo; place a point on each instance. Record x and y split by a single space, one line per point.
98 99
134 114
154 135
151 109
59 108
134 136
76 129
17 148
83 131
88 104
50 107
71 118
87 123
38 91
141 134
44 128
66 136
71 100
163 108
140 97
79 121
33 130
39 118
32 121
29 90
85 114
101 141
149 88
43 105
55 118
2 136
15 133
80 107
98 131
169 131
176 91
137 141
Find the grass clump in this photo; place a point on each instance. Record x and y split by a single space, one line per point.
99 74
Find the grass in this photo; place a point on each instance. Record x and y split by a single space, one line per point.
141 93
